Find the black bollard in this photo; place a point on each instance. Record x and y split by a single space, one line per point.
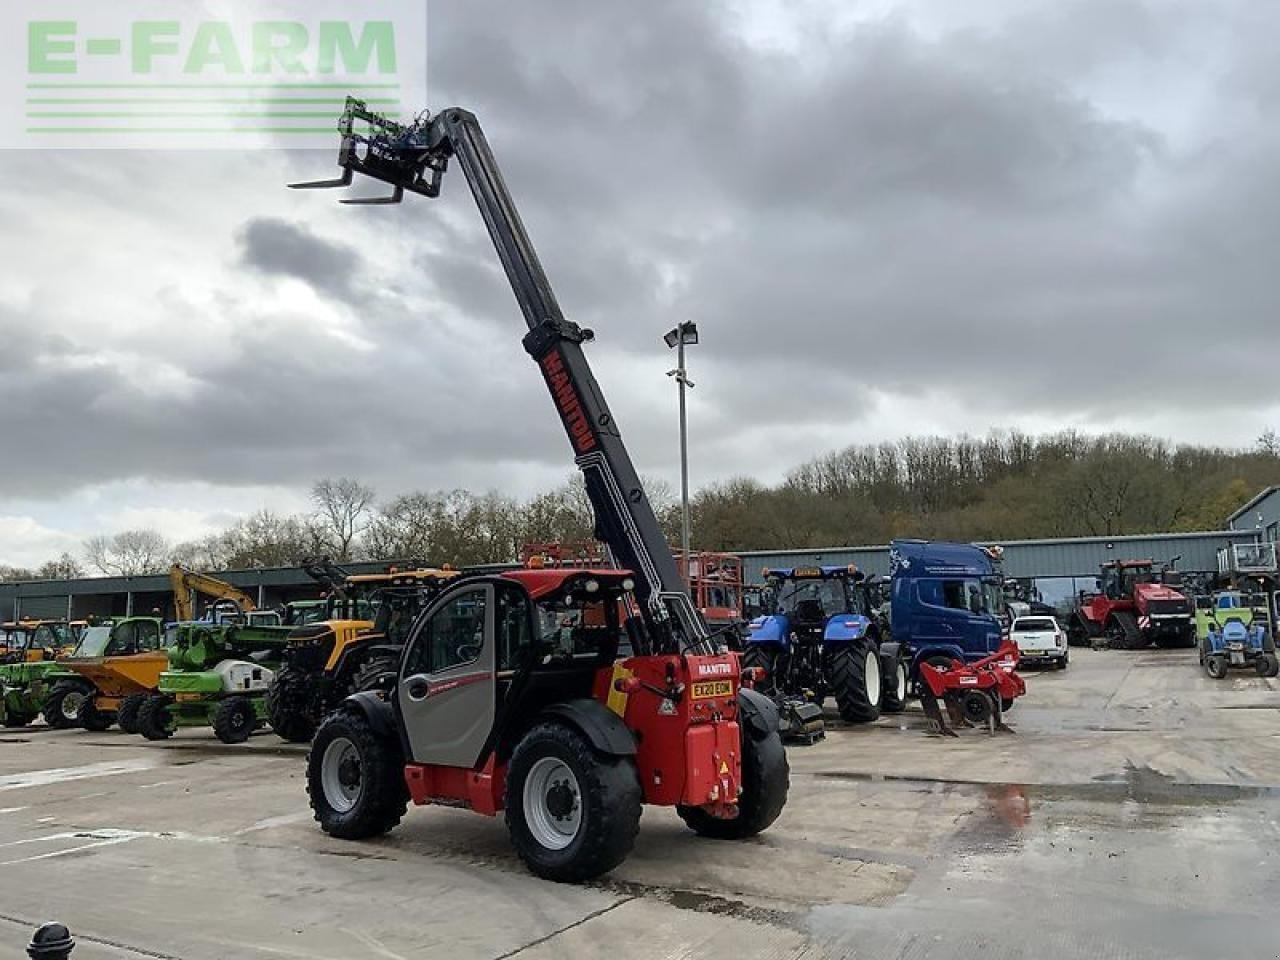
51 941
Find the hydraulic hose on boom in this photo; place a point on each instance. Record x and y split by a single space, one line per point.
414 157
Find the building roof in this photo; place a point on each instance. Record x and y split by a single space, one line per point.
1249 505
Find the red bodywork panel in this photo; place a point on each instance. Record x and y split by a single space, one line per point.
688 752
542 581
998 672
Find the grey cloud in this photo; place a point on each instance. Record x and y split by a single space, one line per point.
276 247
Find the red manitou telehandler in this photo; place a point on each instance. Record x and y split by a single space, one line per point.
565 697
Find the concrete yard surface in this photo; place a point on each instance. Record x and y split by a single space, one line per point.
1132 814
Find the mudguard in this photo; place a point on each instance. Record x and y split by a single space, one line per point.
772 631
600 725
952 650
377 710
845 628
759 713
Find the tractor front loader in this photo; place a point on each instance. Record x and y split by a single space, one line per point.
509 694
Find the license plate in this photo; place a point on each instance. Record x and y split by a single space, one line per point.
712 688
1237 658
187 696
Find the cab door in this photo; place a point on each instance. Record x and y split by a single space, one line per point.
447 691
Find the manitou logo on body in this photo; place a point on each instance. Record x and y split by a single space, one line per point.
179 75
575 418
714 669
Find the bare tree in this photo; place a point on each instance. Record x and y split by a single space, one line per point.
128 553
1269 443
343 511
65 567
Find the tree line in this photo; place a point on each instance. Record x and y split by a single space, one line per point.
1007 485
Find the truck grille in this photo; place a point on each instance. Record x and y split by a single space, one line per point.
1168 606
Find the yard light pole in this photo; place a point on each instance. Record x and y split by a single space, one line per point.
685 334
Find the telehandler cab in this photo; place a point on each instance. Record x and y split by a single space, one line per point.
509 695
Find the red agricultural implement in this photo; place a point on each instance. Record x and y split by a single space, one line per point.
975 694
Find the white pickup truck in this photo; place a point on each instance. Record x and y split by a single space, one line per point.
1041 639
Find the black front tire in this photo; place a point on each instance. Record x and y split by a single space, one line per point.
1215 665
766 778
608 801
1267 665
234 720
287 706
93 719
898 690
13 719
154 721
856 695
377 769
127 716
62 708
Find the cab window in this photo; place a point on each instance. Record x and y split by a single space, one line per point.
514 633
453 636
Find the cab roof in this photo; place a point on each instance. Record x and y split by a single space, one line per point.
811 573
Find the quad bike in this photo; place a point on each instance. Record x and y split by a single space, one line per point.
509 694
974 694
326 661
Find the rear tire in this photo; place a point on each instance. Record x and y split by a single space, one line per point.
856 683
374 674
62 709
93 719
573 814
765 781
355 778
127 716
154 721
895 697
287 703
234 720
767 658
1215 665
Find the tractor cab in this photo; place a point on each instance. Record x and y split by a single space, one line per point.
29 641
810 596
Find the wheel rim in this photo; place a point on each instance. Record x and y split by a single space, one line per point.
871 674
902 682
341 775
552 803
72 704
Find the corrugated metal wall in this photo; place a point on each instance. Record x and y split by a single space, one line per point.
1078 557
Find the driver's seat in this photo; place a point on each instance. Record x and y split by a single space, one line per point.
809 610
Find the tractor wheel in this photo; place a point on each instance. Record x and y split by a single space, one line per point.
895 697
768 659
1215 665
1267 665
287 706
374 674
765 781
127 716
62 709
93 719
12 719
572 814
154 721
355 778
234 720
856 683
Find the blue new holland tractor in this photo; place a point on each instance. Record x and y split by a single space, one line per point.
822 638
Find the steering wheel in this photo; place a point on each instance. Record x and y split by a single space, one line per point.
466 652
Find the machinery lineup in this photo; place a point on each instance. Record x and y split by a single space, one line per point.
571 689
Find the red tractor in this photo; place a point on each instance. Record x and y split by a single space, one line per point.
1137 605
566 697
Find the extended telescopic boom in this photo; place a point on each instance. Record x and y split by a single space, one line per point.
414 157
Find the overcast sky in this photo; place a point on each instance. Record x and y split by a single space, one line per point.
887 218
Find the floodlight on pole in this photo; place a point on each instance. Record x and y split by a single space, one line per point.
686 334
